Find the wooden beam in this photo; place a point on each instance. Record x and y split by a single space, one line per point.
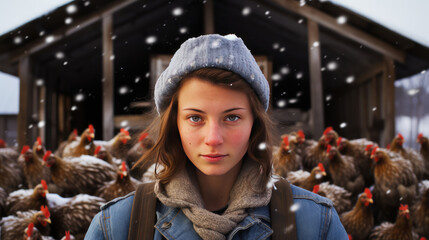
108 84
388 101
346 30
317 118
209 27
25 97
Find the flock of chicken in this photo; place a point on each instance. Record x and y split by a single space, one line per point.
379 193
46 195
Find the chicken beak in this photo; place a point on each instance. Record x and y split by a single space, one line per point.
48 220
324 173
92 135
370 201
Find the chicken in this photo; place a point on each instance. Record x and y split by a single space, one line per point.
394 183
38 148
117 146
2 143
33 169
32 233
343 172
78 175
136 152
315 153
73 214
24 200
68 236
424 152
301 143
85 146
420 210
408 154
12 227
401 230
123 185
73 136
357 149
11 177
338 195
7 154
3 198
359 221
285 159
305 179
101 153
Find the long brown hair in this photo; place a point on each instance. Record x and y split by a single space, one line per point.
168 150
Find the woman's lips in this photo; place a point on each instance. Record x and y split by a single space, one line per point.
213 157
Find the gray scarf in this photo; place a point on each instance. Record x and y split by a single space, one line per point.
182 192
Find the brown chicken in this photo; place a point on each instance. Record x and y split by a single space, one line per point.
301 143
24 200
343 172
123 185
73 214
305 179
144 143
101 153
78 175
3 198
11 177
357 149
38 148
400 230
338 195
118 146
285 160
424 152
32 233
12 227
408 154
359 221
316 153
85 146
33 169
420 210
73 136
394 183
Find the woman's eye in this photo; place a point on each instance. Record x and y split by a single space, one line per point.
194 119
232 118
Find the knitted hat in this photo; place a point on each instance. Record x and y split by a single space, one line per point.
211 51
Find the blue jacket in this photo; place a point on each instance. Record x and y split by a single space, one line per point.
316 218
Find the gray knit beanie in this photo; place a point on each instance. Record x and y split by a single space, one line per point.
211 51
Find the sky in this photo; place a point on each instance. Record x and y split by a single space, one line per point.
407 17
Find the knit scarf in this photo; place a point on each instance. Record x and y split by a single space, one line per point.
182 192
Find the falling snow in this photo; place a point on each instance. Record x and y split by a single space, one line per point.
68 20
262 146
281 103
350 79
246 11
123 90
17 40
183 30
41 124
331 66
295 207
343 125
299 75
79 97
59 55
342 19
284 70
71 9
40 82
49 39
73 108
151 40
276 77
177 12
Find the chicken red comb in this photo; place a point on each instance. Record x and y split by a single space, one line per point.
301 134
75 131
321 167
125 131
39 141
30 229
388 146
327 130
2 143
374 150
403 207
47 154
420 135
339 141
328 149
423 238
45 211
400 136
124 167
368 147
67 235
286 140
143 136
97 150
316 188
91 128
25 149
43 182
368 193
350 236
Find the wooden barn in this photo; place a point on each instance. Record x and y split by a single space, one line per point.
96 62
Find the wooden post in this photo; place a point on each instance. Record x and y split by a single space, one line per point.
108 57
388 101
209 18
25 97
317 117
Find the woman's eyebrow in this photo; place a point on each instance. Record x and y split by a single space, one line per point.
201 111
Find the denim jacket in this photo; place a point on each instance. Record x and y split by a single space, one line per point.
315 216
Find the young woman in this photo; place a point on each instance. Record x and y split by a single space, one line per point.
215 149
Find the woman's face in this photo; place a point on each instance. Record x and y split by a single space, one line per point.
214 124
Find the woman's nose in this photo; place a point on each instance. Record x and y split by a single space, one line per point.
214 134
